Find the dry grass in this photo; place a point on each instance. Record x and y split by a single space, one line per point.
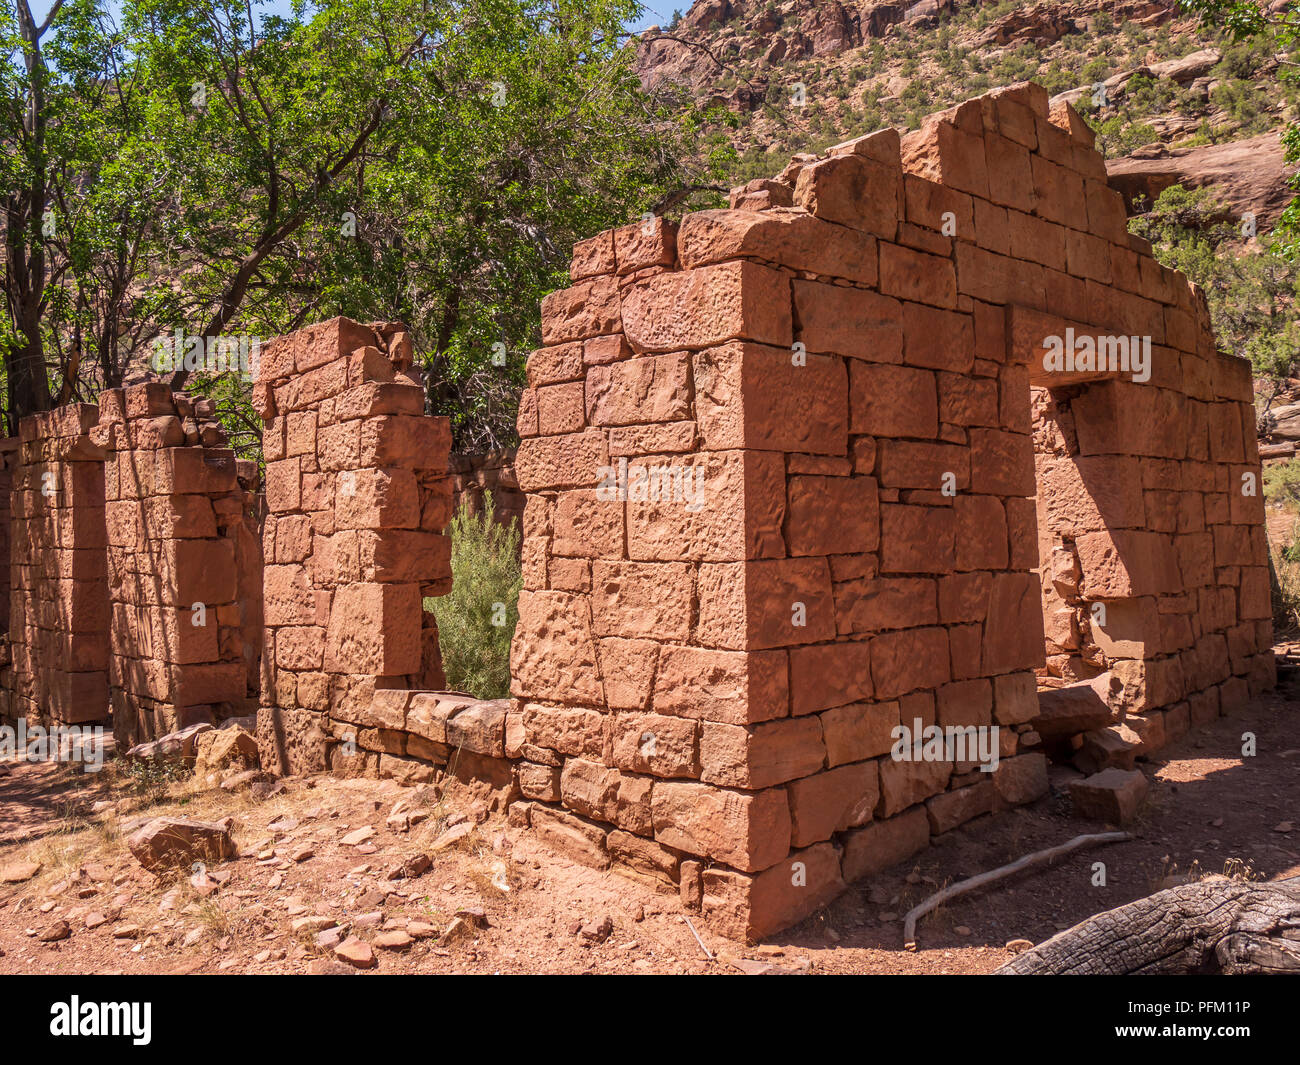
212 917
1286 595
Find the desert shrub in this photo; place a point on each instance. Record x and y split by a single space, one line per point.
916 97
1282 486
1285 581
153 777
1117 136
1057 77
1097 69
754 163
1150 96
1246 103
1019 65
1241 61
476 619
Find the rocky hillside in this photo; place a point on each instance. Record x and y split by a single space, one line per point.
1170 103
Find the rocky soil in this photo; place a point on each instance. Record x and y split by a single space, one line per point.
348 876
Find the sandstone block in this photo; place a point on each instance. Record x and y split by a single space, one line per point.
761 755
884 843
751 907
1113 795
832 801
705 307
749 831
799 239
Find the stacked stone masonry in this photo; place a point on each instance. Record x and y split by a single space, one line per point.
475 475
357 497
797 473
1155 574
59 617
782 464
8 457
135 569
184 564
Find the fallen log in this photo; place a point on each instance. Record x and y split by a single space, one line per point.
1212 926
1277 451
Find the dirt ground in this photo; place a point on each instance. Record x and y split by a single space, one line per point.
493 901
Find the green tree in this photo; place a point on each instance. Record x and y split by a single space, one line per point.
1247 20
220 173
25 111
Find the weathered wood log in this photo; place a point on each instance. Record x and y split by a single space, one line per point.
1277 451
1212 926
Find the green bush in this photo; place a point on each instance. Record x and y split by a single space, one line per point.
476 619
1096 70
1282 486
1284 580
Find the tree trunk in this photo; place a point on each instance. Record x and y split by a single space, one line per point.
29 387
1212 926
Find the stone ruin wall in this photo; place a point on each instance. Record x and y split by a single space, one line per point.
142 593
852 357
1155 570
124 517
184 569
8 459
59 616
358 495
475 474
872 507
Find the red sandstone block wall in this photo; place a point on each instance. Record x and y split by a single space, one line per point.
59 618
1155 560
705 695
474 475
8 459
180 522
357 496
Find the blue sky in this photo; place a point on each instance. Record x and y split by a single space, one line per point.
657 12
